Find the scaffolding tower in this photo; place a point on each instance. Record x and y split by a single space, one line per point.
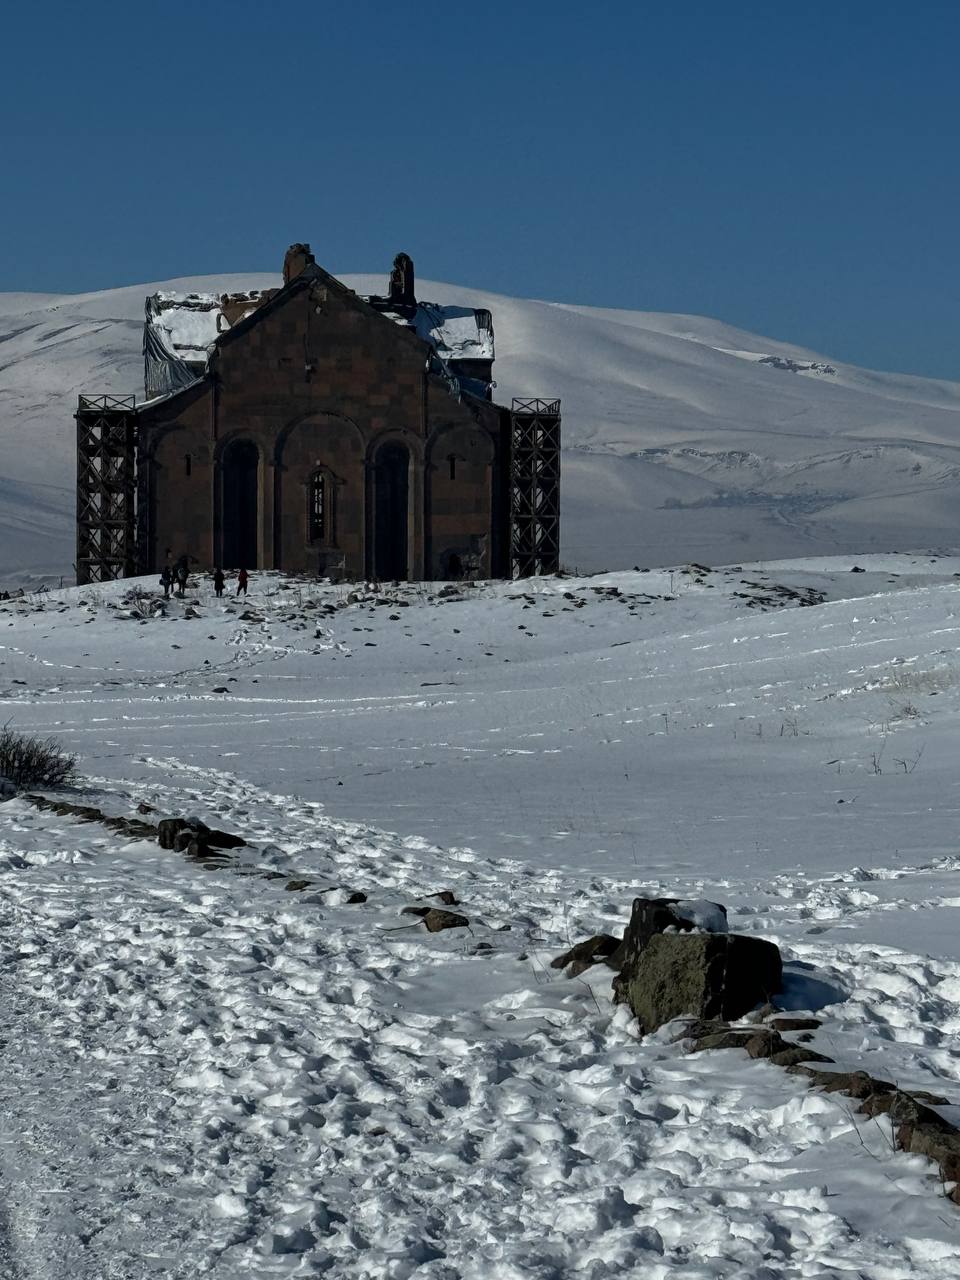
535 488
106 488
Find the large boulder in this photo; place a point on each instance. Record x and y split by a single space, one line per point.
698 975
652 916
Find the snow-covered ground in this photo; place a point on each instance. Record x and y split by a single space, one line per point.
206 1073
685 437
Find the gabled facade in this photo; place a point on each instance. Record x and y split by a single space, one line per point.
311 430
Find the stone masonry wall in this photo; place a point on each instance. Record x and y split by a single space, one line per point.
317 383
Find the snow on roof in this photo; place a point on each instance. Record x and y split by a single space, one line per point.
188 324
456 333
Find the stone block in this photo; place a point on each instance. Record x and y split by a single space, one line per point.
699 975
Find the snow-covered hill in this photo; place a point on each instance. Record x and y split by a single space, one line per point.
686 439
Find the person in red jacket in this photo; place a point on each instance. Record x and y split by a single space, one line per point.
242 582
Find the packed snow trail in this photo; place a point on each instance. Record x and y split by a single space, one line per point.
206 1074
212 1076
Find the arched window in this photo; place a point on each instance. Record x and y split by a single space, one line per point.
320 507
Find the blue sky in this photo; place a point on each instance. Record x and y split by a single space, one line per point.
790 169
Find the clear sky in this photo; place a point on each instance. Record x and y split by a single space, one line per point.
792 169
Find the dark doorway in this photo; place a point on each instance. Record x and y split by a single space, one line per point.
391 483
241 466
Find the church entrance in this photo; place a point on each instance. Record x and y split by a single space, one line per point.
241 523
390 531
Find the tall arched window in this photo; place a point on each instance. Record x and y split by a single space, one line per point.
320 507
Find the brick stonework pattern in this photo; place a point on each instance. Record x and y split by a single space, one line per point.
318 381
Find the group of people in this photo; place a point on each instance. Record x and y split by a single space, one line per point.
176 576
219 582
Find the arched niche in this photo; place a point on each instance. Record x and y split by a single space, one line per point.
240 505
391 511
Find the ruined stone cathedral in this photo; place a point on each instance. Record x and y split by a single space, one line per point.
313 430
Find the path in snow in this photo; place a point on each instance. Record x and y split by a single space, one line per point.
208 1075
229 1082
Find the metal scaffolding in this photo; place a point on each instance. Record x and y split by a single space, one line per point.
535 488
106 488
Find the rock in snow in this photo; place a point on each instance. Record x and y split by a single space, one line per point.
437 920
676 959
602 946
703 975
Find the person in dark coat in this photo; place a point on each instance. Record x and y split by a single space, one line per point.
166 581
218 581
242 580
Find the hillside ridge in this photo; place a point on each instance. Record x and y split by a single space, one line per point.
686 438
